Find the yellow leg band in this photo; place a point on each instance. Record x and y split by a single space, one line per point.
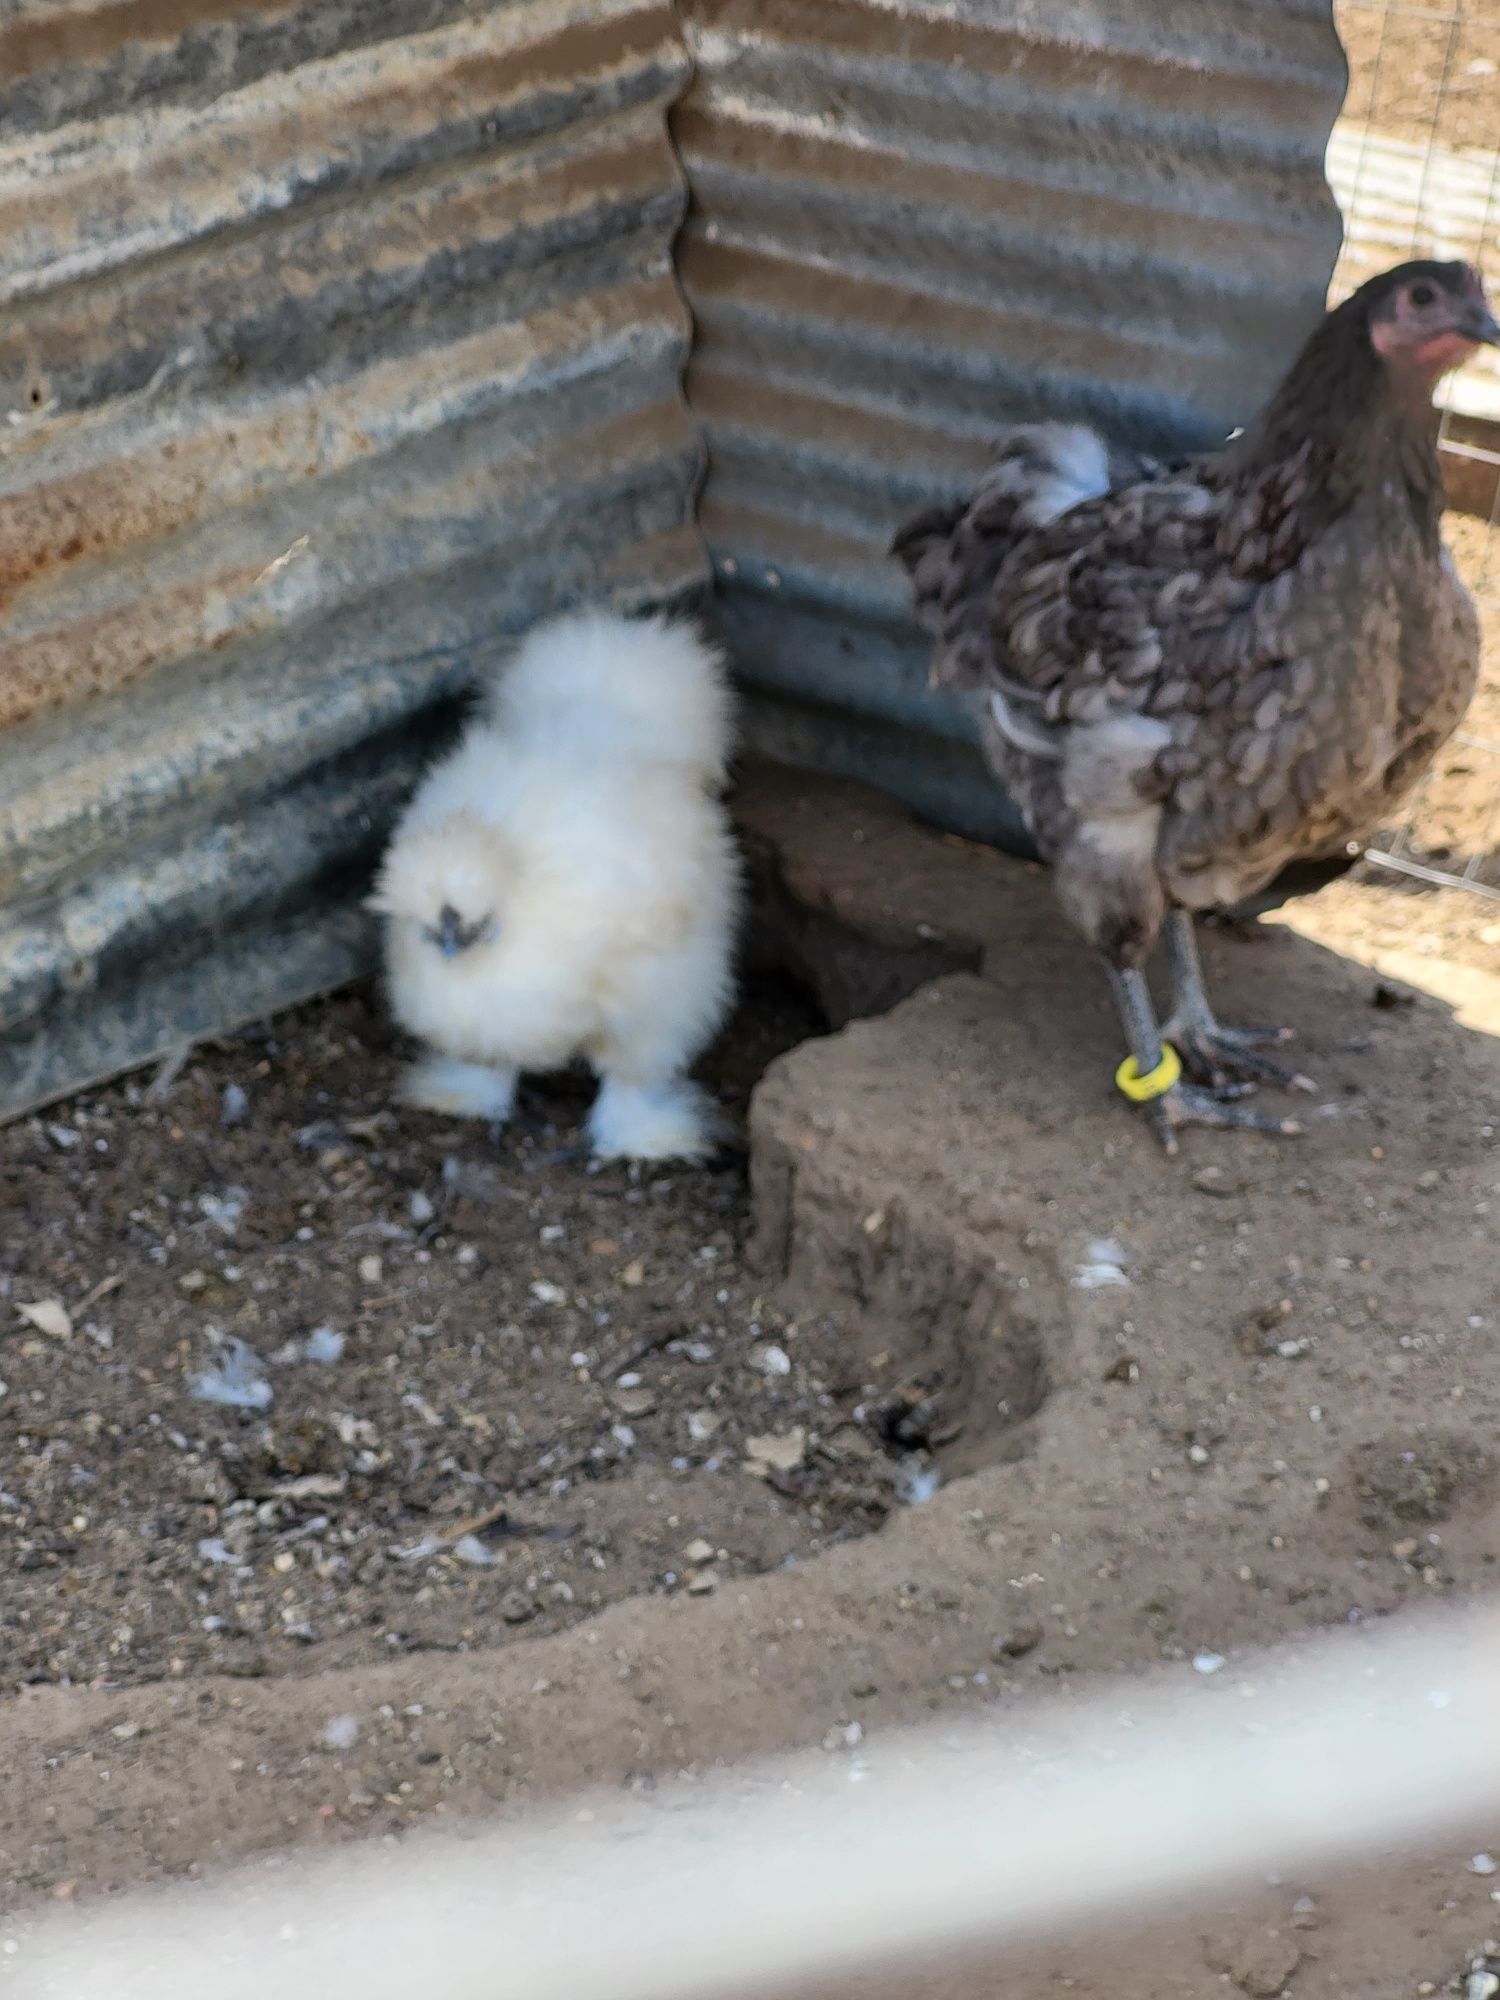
1156 1082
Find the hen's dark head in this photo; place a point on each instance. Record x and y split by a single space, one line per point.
1426 318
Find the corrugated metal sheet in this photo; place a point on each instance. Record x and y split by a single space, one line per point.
913 222
341 338
337 341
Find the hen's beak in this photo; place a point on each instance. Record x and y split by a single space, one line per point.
450 934
1480 325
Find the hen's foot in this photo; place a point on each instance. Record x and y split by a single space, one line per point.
1152 1077
1189 1104
1213 1055
1222 1058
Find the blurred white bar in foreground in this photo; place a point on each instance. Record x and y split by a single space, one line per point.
1139 1793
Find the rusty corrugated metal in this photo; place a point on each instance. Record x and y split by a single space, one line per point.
337 341
913 222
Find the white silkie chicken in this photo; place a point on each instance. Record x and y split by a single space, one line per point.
565 885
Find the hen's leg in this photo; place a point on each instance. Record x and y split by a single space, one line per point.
1213 1054
1183 1103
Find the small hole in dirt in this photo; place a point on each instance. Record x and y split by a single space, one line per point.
911 1420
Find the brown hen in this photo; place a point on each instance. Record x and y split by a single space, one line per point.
1192 678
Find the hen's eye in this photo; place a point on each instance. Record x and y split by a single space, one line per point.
1422 295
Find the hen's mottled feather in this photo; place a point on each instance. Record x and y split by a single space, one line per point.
1191 677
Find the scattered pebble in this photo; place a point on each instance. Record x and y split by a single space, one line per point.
1215 1181
49 1316
776 1452
310 1486
771 1360
548 1294
420 1209
1017 1642
635 1402
340 1732
234 1106
845 1736
1207 1663
1483 1864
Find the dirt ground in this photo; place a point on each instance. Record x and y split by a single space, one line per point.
499 1391
1176 1410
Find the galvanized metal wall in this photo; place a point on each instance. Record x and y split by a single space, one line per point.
341 338
338 339
912 222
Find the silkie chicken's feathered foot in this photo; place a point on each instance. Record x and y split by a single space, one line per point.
460 1089
1152 1076
673 1120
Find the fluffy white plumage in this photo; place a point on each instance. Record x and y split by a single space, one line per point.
565 885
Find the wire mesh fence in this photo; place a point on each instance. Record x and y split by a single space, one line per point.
1415 165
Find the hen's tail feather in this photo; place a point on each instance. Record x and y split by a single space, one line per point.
921 547
913 538
954 551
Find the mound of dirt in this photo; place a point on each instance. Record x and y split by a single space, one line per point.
611 1474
